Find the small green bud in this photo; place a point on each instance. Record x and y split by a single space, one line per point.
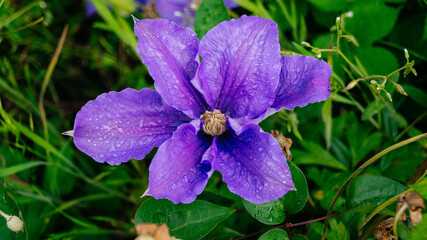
351 85
400 89
306 44
338 21
413 71
389 96
406 53
351 39
374 82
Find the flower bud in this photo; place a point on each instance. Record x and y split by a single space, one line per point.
306 44
406 53
351 85
400 89
389 96
338 21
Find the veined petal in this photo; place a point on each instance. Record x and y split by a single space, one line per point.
169 51
182 166
240 66
118 126
303 80
253 165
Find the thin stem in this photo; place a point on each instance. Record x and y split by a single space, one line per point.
289 225
362 167
350 63
397 217
410 126
379 208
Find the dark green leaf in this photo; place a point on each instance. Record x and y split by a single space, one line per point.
299 237
222 233
372 190
271 213
275 234
185 221
371 21
294 201
418 95
208 15
330 5
370 208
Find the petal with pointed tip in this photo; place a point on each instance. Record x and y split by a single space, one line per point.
182 166
119 126
303 80
170 51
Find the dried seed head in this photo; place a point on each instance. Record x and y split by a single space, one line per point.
151 231
382 231
214 122
415 203
14 223
284 142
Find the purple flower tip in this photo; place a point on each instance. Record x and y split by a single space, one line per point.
207 117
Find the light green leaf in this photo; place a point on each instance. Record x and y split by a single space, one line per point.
19 168
185 221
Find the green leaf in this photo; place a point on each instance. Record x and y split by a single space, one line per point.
420 230
19 168
185 221
315 155
421 188
373 108
222 233
294 201
330 5
208 15
327 118
371 21
299 237
372 190
370 208
9 207
271 213
275 234
418 95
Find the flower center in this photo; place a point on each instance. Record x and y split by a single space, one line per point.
214 122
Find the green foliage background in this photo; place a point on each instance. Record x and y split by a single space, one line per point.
53 59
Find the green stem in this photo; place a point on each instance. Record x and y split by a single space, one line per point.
362 167
397 217
379 208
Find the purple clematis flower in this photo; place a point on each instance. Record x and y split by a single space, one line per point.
182 11
207 119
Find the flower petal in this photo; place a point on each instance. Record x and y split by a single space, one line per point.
118 126
253 165
169 51
303 80
230 4
174 10
182 166
240 66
